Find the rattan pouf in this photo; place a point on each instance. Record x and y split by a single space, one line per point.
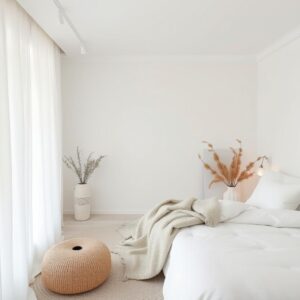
76 266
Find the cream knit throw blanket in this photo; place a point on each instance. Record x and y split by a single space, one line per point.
144 253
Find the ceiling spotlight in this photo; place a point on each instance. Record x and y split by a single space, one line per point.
82 50
64 18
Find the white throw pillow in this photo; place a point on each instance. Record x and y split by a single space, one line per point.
276 190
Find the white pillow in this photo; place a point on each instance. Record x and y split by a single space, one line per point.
276 190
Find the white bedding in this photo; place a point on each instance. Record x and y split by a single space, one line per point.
237 260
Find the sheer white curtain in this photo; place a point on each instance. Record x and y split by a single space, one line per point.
30 157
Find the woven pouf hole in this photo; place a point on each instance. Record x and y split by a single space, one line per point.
76 248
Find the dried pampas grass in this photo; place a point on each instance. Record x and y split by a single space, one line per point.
83 172
232 174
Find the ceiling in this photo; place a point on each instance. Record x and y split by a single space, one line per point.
168 27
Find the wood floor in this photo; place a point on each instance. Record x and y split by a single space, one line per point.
105 228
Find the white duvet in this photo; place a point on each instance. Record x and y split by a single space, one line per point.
240 259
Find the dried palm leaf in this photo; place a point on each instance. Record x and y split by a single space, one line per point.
216 179
231 175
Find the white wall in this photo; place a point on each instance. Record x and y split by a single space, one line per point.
279 107
149 117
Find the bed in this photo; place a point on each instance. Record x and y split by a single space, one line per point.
237 260
254 255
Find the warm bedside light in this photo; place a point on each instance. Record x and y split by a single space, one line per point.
261 171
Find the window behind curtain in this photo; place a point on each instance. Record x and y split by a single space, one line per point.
30 149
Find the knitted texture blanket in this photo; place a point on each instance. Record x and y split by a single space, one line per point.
144 252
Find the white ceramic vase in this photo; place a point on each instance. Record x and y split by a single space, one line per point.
231 194
82 205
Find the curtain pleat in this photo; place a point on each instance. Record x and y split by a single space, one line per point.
30 154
